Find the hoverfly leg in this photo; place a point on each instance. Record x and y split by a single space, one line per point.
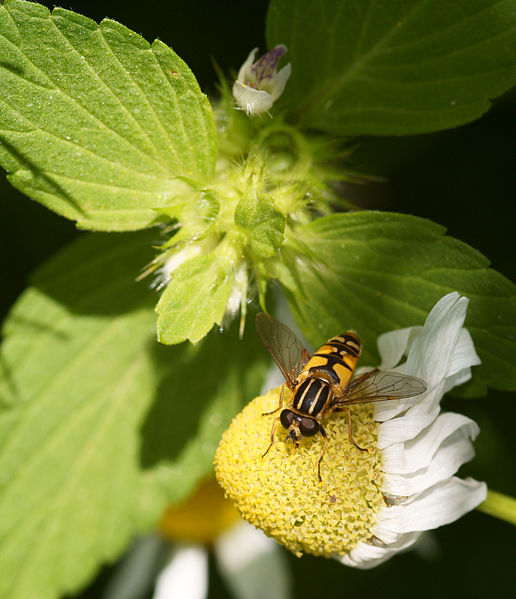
279 405
350 430
325 437
276 420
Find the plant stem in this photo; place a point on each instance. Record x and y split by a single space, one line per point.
500 506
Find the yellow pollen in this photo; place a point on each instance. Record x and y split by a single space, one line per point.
201 518
280 492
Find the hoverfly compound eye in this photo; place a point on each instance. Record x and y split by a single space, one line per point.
308 427
286 418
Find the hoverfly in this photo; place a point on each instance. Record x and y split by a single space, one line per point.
324 383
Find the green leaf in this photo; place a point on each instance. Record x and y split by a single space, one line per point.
263 225
101 427
375 272
96 123
394 68
195 298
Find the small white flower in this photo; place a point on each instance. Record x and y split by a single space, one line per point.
422 449
258 84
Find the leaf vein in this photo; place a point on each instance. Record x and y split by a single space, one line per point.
157 158
82 108
149 104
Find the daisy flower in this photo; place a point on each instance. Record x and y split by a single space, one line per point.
258 84
369 504
174 560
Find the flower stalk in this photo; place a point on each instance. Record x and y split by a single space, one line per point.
500 506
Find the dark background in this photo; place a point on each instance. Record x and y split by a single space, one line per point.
463 179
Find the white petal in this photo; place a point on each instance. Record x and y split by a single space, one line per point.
243 73
446 463
456 379
441 350
386 410
464 354
367 556
185 576
456 450
393 345
405 419
134 577
431 353
416 418
418 454
281 81
437 506
252 564
253 101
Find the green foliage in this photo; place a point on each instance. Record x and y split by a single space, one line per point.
96 123
394 68
195 298
377 271
101 426
262 223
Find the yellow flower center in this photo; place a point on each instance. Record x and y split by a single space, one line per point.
280 492
201 518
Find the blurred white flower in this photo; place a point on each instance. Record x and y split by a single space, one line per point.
258 84
250 563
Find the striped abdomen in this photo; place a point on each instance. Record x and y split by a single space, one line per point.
310 396
336 359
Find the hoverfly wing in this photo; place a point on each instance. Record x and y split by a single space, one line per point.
283 345
381 386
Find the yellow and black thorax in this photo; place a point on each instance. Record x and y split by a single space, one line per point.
326 374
